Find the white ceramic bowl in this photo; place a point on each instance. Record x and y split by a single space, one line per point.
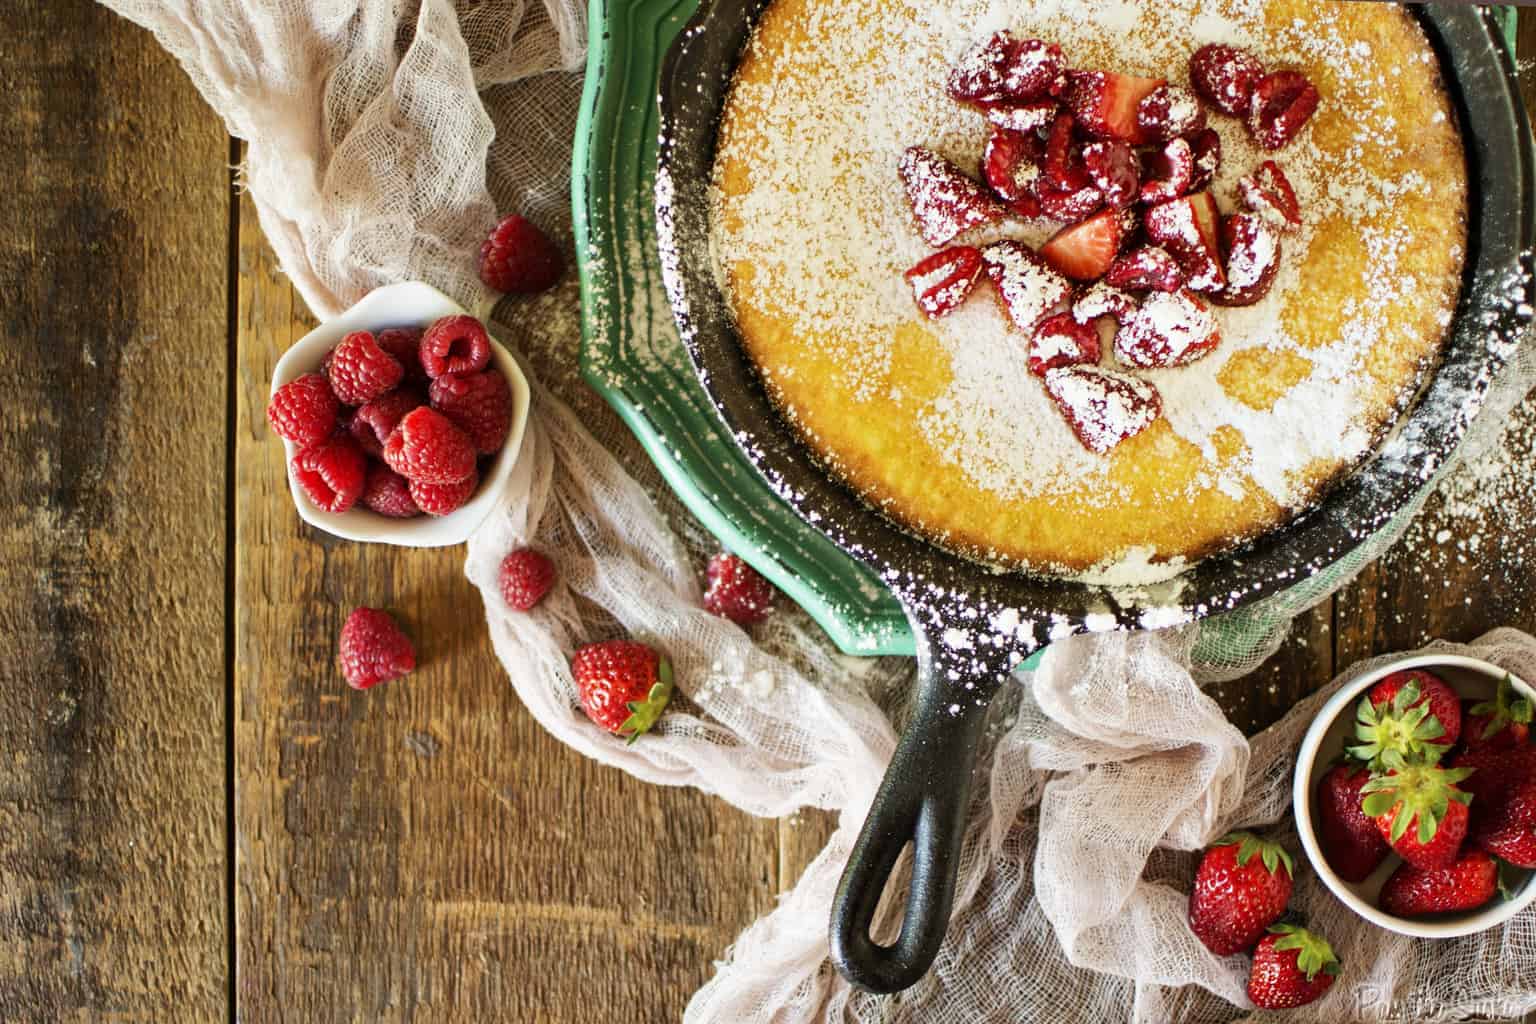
403 305
1325 740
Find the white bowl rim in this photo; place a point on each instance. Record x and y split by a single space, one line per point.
1301 803
412 303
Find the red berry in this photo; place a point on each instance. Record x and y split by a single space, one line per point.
1241 888
623 686
1291 967
373 649
1190 229
1170 173
1064 169
1282 103
303 410
1466 884
1515 844
1029 289
372 424
1105 103
1085 251
404 343
1267 192
427 448
1419 810
1112 168
1206 147
1351 843
478 404
1500 723
455 344
1004 68
1432 693
518 257
1168 112
1011 164
943 280
1061 340
737 591
1103 407
443 499
388 493
359 370
332 473
944 201
1069 207
1170 329
1493 772
1146 269
526 576
1225 76
1253 259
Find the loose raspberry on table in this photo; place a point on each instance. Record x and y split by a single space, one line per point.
441 499
455 344
359 370
374 649
303 410
371 425
332 473
388 493
518 257
737 591
478 404
404 343
426 447
526 576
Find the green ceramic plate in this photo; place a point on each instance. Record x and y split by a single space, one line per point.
633 357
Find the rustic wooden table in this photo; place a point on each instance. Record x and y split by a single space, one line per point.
197 819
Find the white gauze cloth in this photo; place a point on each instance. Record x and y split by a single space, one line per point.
382 139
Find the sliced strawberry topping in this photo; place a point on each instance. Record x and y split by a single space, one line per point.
1034 69
1063 159
1169 329
1029 289
1101 406
1060 340
944 201
1189 229
1206 147
1084 251
1282 103
1170 173
1268 193
1105 103
1225 76
1112 168
942 281
1102 299
1146 269
1011 164
1069 207
1168 112
1253 259
1022 117
981 75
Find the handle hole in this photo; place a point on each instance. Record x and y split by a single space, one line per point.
891 911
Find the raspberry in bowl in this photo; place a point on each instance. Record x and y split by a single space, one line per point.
401 420
1443 734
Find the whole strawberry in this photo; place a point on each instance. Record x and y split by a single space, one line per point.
1420 811
1503 788
737 591
1501 723
623 686
1465 884
1414 714
1241 888
1515 844
1291 967
526 576
518 257
1351 843
373 649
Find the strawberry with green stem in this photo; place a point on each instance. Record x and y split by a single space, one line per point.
1291 967
1401 724
1501 723
1419 810
623 686
1241 888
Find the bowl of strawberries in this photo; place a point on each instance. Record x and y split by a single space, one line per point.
1415 795
401 419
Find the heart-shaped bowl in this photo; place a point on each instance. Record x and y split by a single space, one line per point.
411 304
1325 740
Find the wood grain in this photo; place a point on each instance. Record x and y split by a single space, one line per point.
113 272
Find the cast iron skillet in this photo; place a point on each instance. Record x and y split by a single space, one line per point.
973 623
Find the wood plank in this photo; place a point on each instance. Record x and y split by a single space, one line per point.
425 851
113 266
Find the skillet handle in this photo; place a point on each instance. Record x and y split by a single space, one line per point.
923 800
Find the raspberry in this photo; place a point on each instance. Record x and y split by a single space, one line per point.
737 591
360 370
404 343
441 499
303 410
478 404
373 649
455 344
427 447
372 424
526 576
518 257
388 493
332 473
